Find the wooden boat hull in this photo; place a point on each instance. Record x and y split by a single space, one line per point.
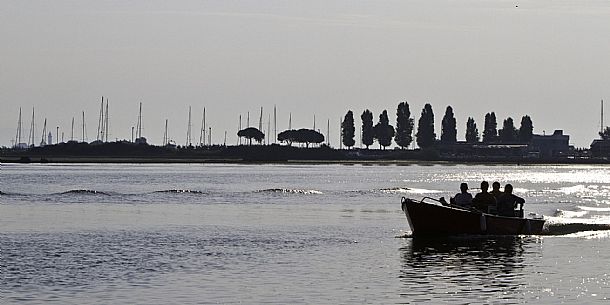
435 219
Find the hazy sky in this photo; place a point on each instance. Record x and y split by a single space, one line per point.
548 59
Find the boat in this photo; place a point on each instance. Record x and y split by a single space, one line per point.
430 216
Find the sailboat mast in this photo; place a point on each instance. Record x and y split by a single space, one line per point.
72 132
188 130
31 135
18 135
202 128
340 133
44 133
328 132
106 124
274 124
84 132
165 136
260 121
601 129
100 121
290 121
139 131
238 129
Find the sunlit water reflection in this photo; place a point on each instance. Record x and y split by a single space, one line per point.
158 234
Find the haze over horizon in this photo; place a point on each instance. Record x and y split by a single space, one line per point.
548 59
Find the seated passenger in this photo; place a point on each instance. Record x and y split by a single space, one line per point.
484 201
495 190
508 202
463 198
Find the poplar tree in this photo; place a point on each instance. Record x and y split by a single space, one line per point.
490 132
348 130
425 128
367 128
526 130
404 125
508 133
472 133
383 131
448 127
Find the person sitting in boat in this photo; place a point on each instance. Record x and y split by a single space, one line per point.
463 198
485 201
508 202
495 190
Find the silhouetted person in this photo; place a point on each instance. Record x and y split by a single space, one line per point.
495 190
508 202
463 198
483 201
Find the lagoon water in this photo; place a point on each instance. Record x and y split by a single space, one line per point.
288 234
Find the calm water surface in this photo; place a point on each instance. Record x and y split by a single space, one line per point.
288 234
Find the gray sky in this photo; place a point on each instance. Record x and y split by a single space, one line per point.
548 59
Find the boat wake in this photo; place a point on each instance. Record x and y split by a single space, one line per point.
569 214
290 191
572 228
405 190
583 219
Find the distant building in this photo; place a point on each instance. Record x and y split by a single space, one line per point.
21 146
463 149
549 146
600 148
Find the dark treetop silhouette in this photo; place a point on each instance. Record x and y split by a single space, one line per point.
348 130
251 133
472 133
383 131
367 128
490 132
425 129
404 125
449 128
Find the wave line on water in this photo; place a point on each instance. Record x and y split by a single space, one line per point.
400 190
572 228
180 191
290 191
83 191
569 214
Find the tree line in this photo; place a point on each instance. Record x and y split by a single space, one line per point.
303 135
425 135
383 132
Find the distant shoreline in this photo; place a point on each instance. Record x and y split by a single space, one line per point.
191 160
267 154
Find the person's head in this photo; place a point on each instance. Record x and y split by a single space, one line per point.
464 187
508 189
495 186
484 186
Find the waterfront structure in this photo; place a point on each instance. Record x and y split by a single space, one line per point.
550 146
